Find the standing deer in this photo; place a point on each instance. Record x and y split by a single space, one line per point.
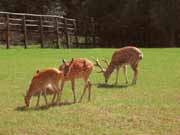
44 82
77 69
121 58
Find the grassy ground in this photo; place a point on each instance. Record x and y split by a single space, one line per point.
152 107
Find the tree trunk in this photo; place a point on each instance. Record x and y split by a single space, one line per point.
172 37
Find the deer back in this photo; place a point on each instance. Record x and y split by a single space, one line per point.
42 79
79 68
126 55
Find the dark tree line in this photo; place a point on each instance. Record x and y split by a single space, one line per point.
150 23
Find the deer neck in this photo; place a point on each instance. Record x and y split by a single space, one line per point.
30 92
110 68
29 95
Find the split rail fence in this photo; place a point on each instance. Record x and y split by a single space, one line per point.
21 26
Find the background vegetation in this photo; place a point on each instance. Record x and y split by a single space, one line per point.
154 22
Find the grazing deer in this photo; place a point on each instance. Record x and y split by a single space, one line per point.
121 58
44 82
77 69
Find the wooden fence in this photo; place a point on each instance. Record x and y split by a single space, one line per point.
42 25
67 33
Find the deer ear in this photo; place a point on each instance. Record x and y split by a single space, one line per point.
72 60
64 61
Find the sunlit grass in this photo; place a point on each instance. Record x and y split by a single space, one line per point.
150 107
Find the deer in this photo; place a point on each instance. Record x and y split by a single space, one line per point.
129 55
44 82
80 68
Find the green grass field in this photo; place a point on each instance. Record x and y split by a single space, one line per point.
152 107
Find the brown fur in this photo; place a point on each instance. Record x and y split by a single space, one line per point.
45 82
121 58
77 69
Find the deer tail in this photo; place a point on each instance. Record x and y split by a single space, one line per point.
141 56
37 71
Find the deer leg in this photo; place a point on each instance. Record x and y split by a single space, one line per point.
37 104
135 69
117 75
58 97
54 95
73 89
125 73
85 87
59 93
55 89
45 97
89 89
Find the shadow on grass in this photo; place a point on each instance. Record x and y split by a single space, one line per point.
103 85
41 108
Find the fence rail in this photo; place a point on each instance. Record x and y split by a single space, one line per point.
41 24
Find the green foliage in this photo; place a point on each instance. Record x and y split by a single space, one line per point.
31 6
103 8
160 19
150 107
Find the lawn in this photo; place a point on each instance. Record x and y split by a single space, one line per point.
151 107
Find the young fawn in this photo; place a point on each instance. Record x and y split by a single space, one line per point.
121 58
77 69
44 82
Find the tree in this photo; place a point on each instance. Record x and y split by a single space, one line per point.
167 17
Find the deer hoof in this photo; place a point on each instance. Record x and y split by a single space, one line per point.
80 101
134 82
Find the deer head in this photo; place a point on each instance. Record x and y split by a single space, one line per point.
27 101
104 71
66 66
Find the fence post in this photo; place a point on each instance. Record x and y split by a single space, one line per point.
7 31
86 23
93 31
25 31
57 32
66 32
75 33
41 32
